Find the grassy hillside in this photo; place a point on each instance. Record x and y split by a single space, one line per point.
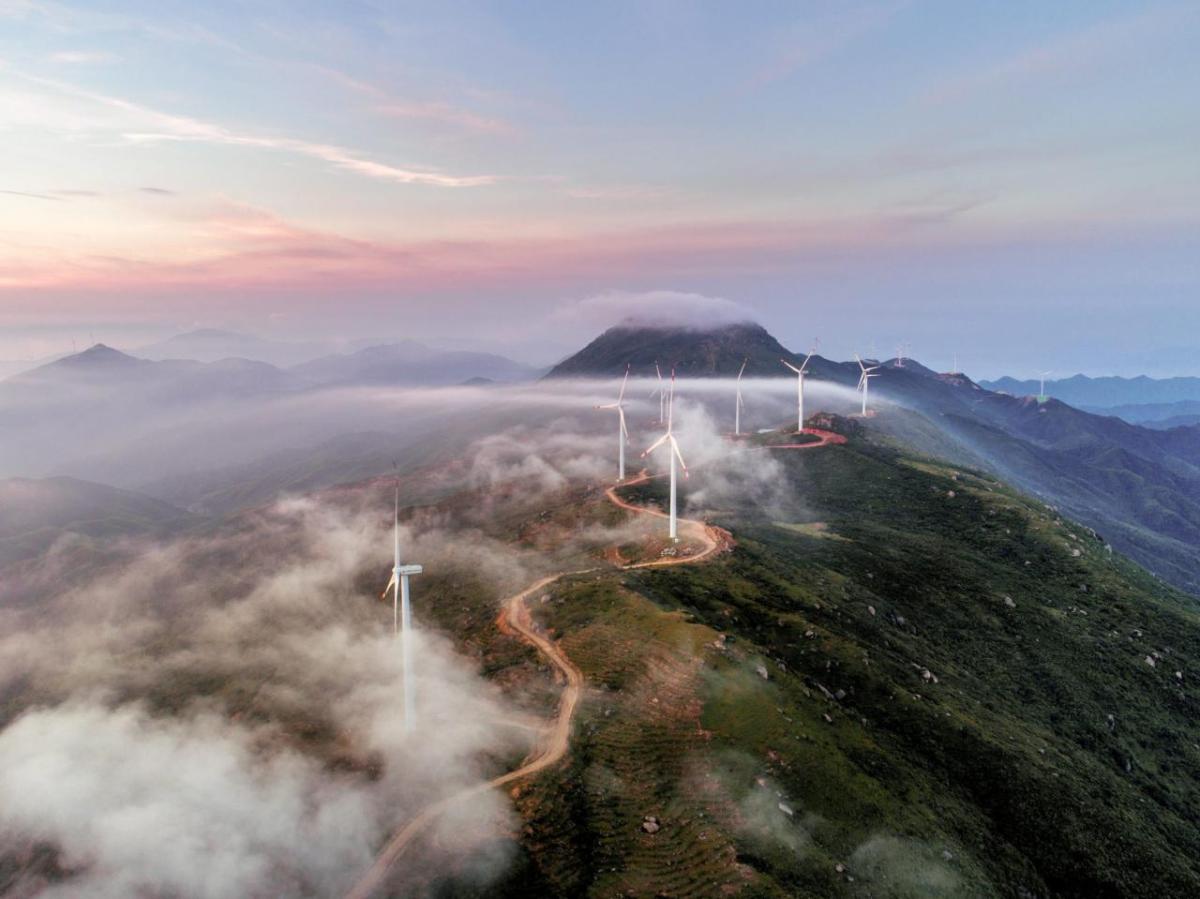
915 683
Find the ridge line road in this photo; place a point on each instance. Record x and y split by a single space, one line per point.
515 616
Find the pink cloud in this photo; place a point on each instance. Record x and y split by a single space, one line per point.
162 126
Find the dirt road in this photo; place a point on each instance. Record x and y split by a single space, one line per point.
555 742
826 438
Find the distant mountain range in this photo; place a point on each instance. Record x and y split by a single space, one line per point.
1080 390
410 363
102 375
212 344
1153 415
106 415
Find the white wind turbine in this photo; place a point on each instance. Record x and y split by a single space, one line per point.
864 381
660 393
737 406
622 433
402 615
669 439
801 372
1042 388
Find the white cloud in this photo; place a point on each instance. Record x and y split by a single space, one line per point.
662 308
146 125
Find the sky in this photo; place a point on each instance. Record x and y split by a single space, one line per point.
1017 183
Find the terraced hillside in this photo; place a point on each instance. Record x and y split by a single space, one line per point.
905 680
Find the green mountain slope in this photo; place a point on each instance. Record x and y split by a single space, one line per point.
912 682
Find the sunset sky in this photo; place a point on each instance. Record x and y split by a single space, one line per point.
1017 182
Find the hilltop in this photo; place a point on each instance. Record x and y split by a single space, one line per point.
694 352
1139 486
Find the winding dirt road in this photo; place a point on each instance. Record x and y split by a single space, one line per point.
515 616
555 742
826 438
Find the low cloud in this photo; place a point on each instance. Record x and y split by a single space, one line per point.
655 308
219 716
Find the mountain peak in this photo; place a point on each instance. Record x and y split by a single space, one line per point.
96 355
693 351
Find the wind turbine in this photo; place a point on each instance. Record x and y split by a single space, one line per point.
659 392
899 355
1042 388
864 381
669 439
622 433
800 373
402 615
737 406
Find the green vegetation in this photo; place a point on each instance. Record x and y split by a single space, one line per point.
923 684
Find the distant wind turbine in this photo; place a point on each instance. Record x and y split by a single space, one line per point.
801 372
660 393
669 439
864 381
1042 388
402 614
622 433
737 406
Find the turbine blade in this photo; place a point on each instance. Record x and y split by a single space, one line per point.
804 366
789 365
742 370
678 455
656 444
624 381
391 583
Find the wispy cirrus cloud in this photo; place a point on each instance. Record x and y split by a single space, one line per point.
237 246
162 126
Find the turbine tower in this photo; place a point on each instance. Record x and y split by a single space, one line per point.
800 373
669 439
660 393
864 381
1042 389
402 614
622 433
737 406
